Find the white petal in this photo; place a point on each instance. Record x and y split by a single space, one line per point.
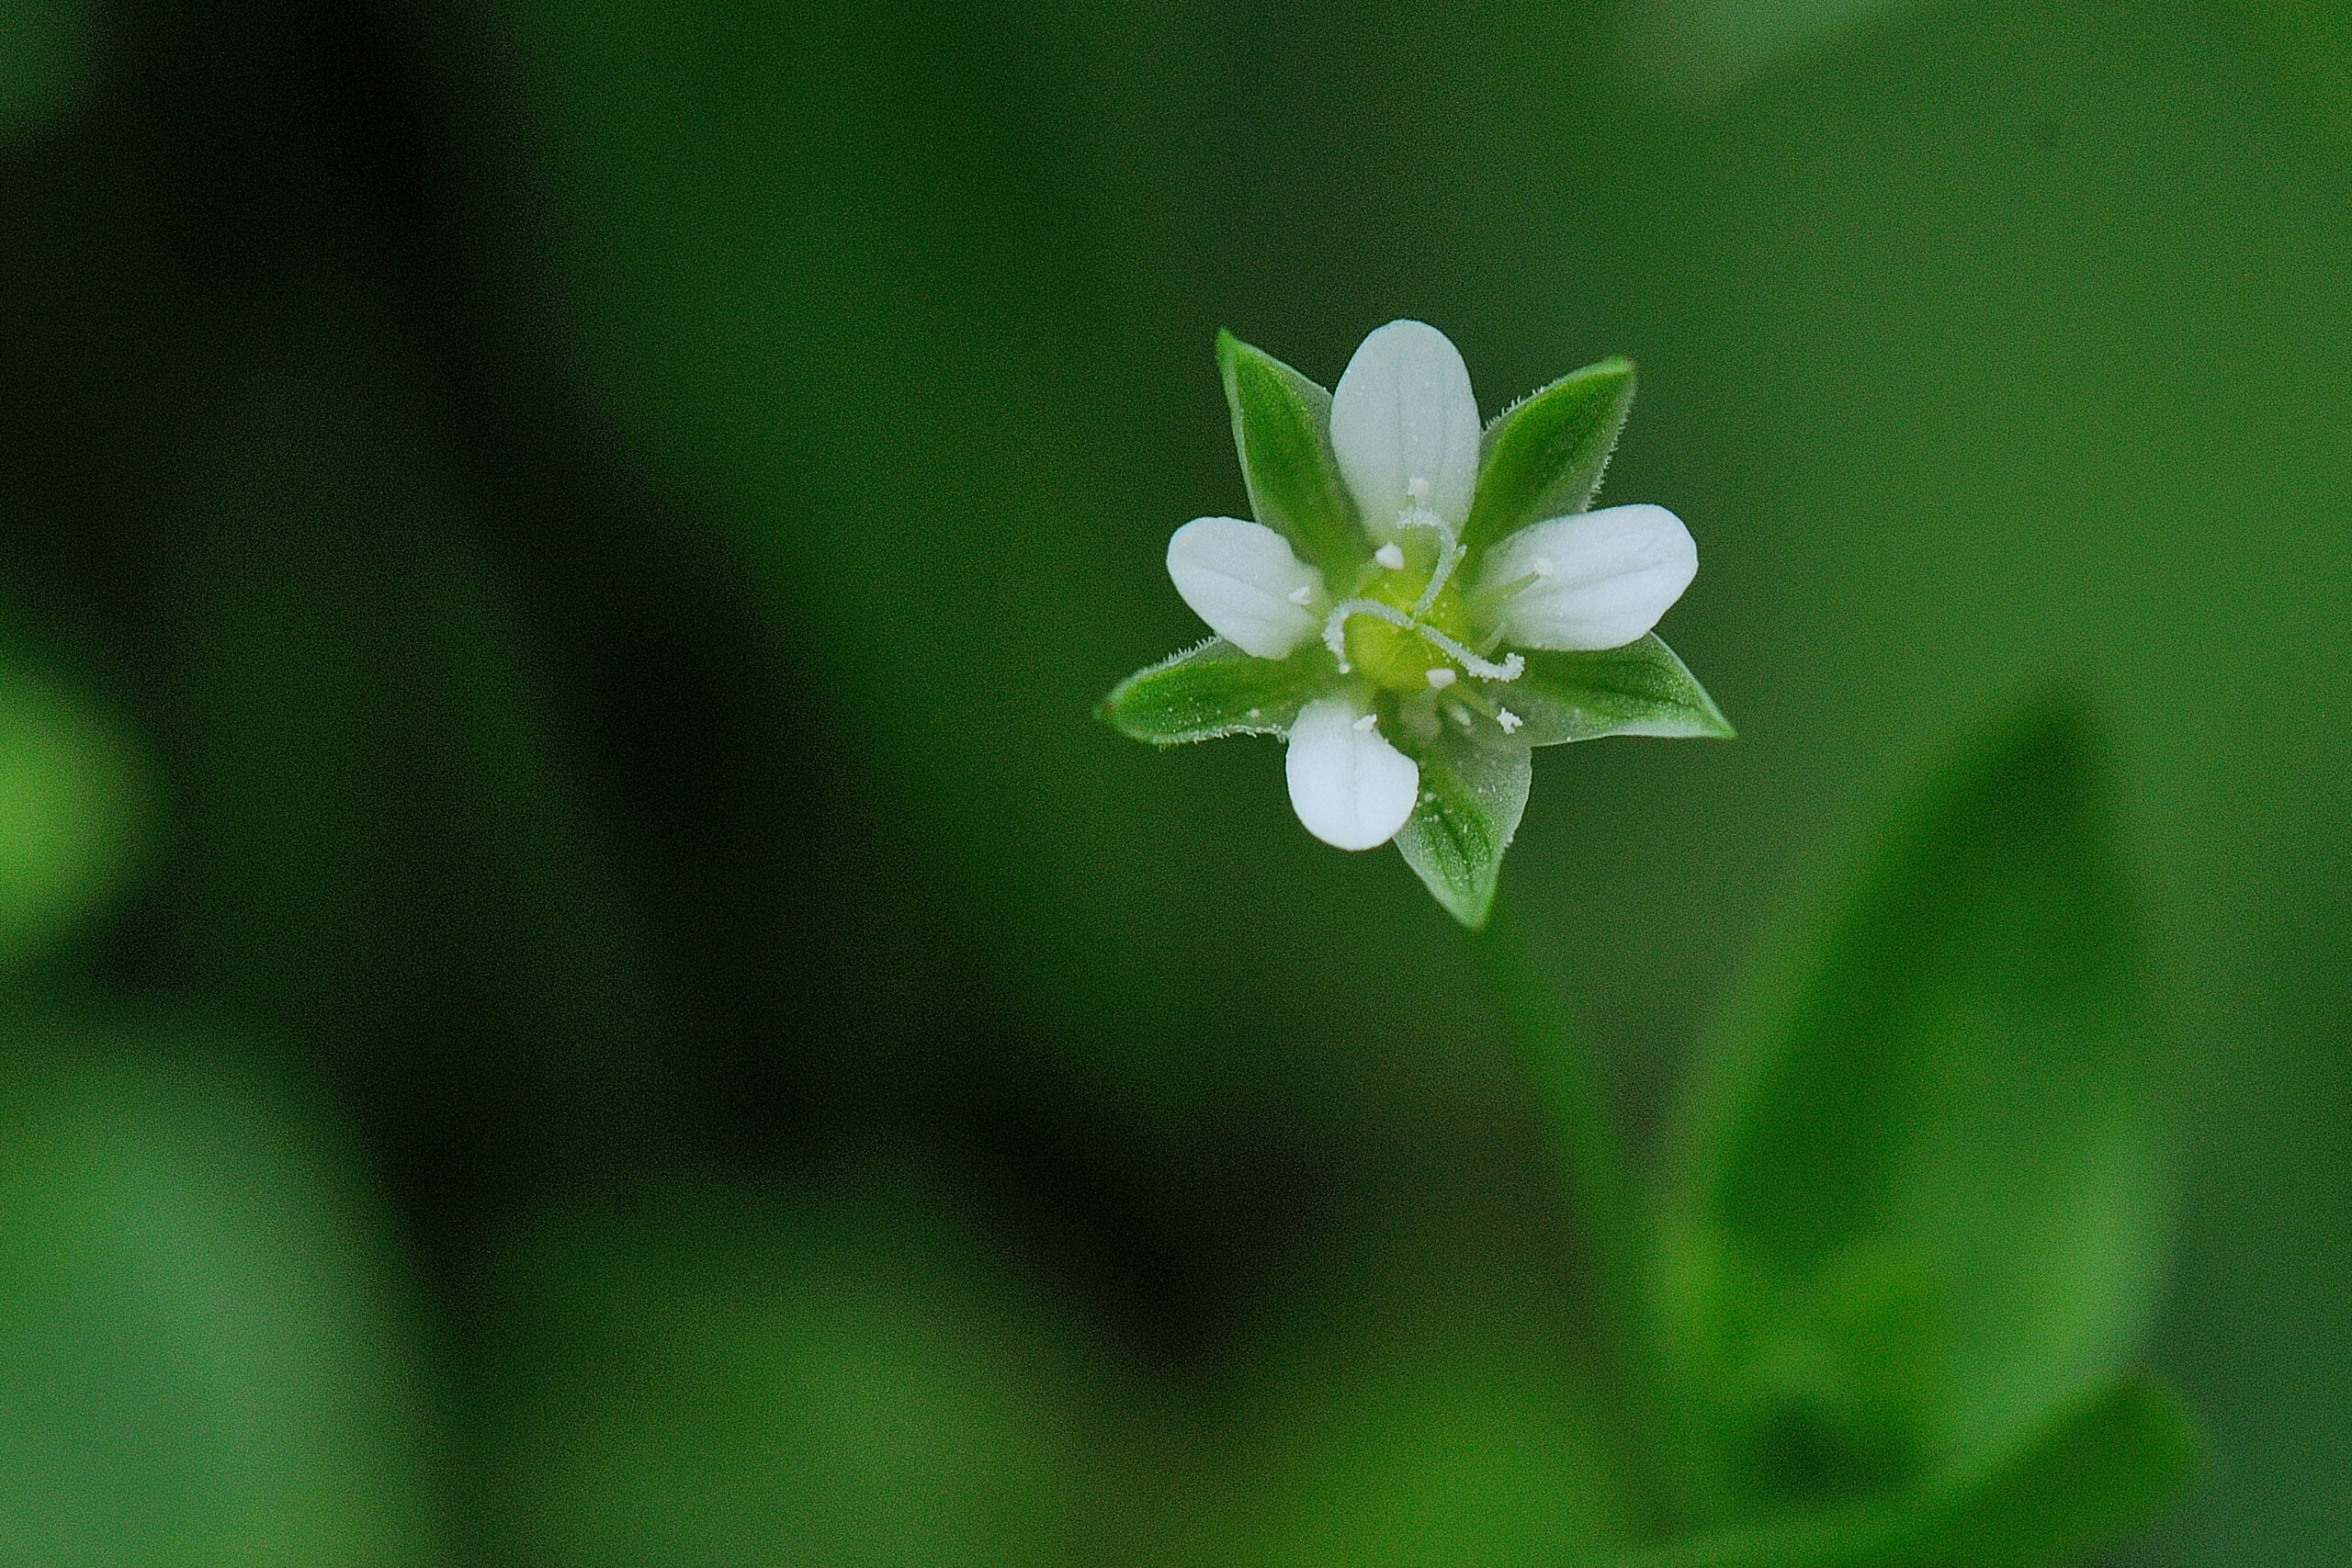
1403 412
1601 578
1242 578
1349 787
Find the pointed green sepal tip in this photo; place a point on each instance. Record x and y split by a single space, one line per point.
1214 689
1642 688
1471 796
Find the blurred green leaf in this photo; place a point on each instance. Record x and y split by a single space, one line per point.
198 1364
1471 796
836 1385
70 800
1639 689
1213 690
2089 1478
1916 1206
1282 428
1543 457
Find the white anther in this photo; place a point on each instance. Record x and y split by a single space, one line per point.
1391 557
1442 676
1419 488
1509 720
1255 713
1367 724
1462 715
1541 566
1301 594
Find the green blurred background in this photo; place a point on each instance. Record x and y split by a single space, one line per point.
582 986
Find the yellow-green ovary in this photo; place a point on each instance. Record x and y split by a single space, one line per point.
1397 659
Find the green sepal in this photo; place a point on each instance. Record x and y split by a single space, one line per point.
1917 1203
1282 428
1474 789
1639 689
2093 1476
1543 457
1214 689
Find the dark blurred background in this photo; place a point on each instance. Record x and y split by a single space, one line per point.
554 564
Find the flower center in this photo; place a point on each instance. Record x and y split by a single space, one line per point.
1399 658
1407 627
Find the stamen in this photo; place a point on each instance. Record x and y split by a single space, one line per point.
1468 698
1419 488
1390 557
1442 676
1493 598
1416 716
1485 603
1367 724
1415 513
1301 594
1509 720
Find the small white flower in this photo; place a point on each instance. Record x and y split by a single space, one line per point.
1420 570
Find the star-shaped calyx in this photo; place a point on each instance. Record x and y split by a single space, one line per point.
1421 602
